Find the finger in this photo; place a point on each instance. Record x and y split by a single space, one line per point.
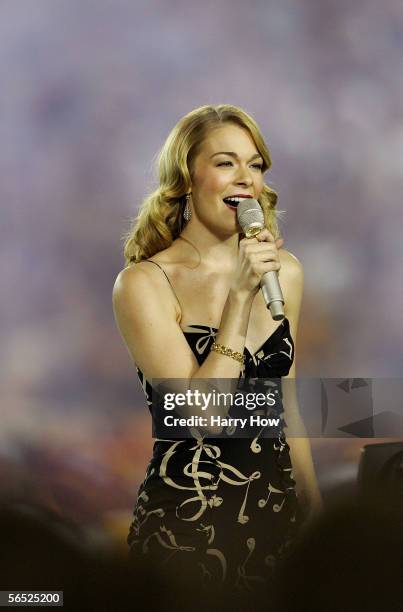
265 235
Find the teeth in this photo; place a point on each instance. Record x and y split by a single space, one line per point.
235 200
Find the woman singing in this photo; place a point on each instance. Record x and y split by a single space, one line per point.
224 509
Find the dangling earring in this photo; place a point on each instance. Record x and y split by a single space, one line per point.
187 213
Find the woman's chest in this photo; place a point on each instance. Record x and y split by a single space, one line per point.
202 302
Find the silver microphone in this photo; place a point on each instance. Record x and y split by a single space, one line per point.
251 219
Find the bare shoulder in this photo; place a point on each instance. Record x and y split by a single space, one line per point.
290 265
145 315
129 275
133 279
143 282
130 283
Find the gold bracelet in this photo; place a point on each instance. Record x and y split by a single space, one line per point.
224 350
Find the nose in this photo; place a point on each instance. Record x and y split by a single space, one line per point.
243 176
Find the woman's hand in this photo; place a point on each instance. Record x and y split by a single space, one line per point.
256 256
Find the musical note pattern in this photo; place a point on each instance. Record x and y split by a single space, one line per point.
226 507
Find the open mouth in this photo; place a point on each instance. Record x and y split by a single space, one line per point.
233 202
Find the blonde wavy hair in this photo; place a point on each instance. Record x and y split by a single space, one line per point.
160 218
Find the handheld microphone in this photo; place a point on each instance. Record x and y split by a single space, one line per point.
251 219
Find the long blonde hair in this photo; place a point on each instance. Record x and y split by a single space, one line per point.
160 218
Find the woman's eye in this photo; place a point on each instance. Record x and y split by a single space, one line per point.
229 163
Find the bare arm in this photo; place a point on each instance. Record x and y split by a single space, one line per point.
299 443
145 314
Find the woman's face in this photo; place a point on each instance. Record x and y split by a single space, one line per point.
227 164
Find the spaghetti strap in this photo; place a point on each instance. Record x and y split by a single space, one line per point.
173 290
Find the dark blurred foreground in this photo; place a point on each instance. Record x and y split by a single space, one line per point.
349 559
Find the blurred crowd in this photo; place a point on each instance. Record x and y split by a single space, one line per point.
348 559
90 92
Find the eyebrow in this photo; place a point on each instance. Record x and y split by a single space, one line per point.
233 154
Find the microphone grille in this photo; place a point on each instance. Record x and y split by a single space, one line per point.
250 214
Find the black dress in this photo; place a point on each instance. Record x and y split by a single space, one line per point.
224 509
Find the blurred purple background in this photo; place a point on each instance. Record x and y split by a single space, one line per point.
89 92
